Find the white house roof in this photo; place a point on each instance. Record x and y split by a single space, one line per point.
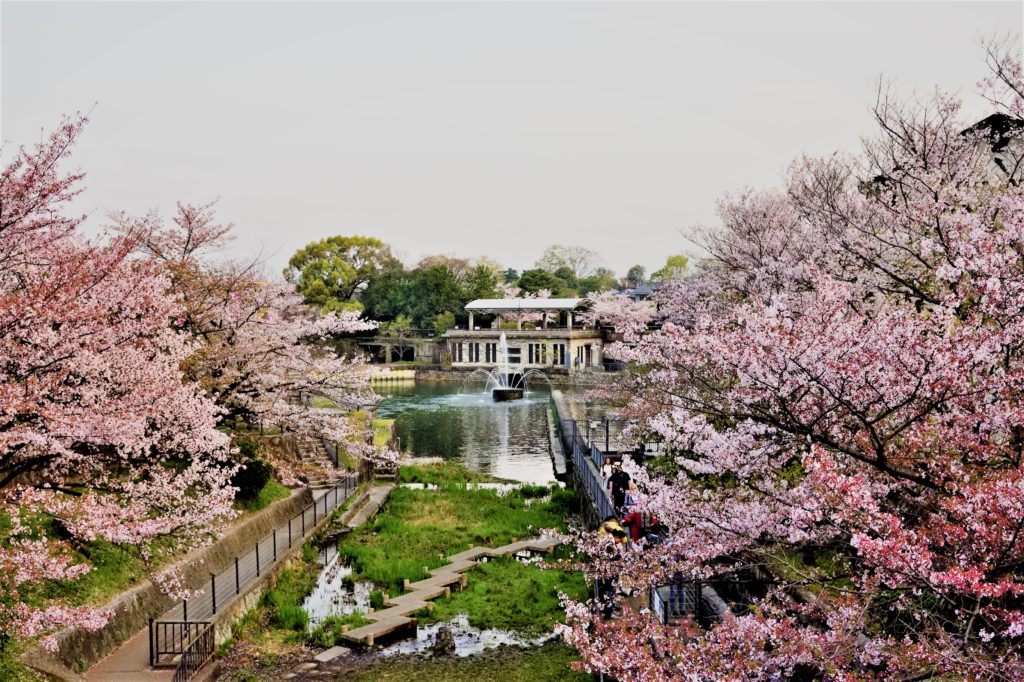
488 304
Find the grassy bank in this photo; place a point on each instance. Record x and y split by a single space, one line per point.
506 594
443 474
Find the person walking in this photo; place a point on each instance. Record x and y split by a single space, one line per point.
618 483
606 470
639 523
607 587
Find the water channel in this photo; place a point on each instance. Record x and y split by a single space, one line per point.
465 425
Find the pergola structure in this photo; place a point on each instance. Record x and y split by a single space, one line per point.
544 306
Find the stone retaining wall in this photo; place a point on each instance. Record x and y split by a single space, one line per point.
133 609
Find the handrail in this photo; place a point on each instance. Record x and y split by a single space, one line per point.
587 461
196 655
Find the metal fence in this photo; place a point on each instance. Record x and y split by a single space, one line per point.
178 629
686 598
587 463
672 603
196 654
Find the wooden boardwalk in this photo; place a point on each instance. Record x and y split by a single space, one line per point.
396 615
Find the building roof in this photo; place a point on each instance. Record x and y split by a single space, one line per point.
539 304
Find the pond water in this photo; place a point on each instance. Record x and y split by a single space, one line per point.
334 595
503 439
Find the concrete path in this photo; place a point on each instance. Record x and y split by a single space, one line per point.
127 663
396 615
375 498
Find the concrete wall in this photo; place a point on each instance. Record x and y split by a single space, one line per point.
133 609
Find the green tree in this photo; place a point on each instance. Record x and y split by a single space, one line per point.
511 275
532 281
636 275
602 280
482 282
387 295
397 333
443 322
675 267
434 290
572 283
331 272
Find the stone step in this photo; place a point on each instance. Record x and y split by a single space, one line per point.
470 554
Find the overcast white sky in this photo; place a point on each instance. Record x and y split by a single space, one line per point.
467 128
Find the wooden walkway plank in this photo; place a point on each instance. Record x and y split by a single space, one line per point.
395 616
454 567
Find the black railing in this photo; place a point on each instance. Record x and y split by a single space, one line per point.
672 603
169 639
177 628
586 460
196 655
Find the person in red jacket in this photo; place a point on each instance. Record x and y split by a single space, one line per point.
639 523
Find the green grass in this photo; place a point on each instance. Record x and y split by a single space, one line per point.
283 603
549 663
329 633
113 570
321 402
13 670
506 594
443 473
382 431
269 493
410 532
417 525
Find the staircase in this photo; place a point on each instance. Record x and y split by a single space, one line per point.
315 459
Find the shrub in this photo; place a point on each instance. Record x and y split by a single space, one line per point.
377 599
565 501
533 491
250 479
291 617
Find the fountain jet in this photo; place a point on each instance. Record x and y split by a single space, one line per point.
508 385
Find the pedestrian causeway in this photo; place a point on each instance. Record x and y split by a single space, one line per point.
395 616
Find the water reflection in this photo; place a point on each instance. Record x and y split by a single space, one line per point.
504 439
468 639
335 593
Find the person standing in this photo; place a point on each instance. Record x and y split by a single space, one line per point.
619 483
606 470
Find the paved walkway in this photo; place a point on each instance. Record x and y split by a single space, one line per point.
375 498
396 615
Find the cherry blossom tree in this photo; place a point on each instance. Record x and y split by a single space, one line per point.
259 355
100 437
841 389
630 318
